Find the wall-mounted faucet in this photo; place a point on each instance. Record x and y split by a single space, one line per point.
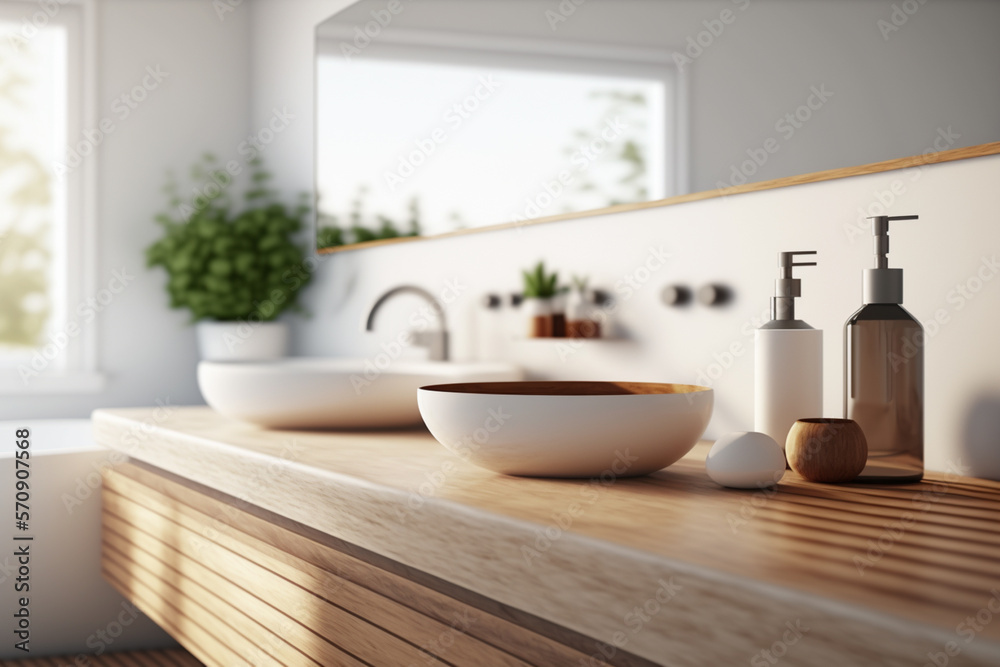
435 341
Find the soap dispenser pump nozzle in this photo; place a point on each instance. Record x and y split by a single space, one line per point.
786 289
882 284
788 358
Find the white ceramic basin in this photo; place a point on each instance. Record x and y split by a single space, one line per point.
305 392
568 429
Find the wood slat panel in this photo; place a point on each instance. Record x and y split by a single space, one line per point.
190 574
383 612
241 615
162 658
195 621
350 633
191 508
203 645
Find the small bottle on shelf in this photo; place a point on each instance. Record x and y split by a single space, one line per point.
580 320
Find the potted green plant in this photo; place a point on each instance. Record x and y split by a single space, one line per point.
236 272
545 318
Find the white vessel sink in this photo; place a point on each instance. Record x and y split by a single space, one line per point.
568 429
304 392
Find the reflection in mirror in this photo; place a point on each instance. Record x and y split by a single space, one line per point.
447 132
446 115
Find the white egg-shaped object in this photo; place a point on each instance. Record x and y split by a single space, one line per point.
746 460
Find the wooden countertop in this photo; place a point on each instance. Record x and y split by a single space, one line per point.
664 565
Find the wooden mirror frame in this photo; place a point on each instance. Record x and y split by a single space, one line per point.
928 157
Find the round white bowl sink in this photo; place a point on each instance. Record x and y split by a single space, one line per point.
340 393
567 429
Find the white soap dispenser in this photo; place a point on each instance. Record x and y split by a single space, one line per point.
788 359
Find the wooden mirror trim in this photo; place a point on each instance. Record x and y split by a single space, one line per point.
981 150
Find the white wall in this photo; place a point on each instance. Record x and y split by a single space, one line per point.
718 240
146 351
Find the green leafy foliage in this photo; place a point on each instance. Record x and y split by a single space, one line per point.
330 234
231 266
538 284
329 237
25 213
627 152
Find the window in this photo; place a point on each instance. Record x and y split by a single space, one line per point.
44 204
439 126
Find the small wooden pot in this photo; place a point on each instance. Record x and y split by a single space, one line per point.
539 317
583 329
831 451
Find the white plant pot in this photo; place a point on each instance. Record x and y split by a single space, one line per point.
242 341
532 307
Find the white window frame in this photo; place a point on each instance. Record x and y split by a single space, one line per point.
75 244
459 48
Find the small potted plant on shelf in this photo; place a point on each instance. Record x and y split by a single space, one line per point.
235 271
546 318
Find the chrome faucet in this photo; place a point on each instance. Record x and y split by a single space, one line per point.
435 341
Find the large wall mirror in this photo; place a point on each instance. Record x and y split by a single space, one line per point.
445 115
